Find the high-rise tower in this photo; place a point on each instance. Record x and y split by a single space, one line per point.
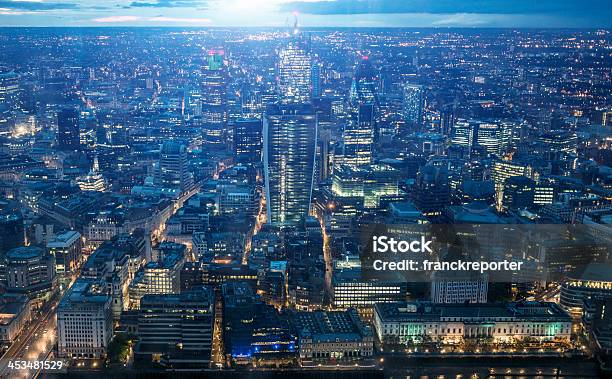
214 100
413 104
295 71
290 135
359 132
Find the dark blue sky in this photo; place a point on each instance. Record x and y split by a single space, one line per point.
368 13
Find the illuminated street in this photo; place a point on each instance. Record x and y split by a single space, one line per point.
35 342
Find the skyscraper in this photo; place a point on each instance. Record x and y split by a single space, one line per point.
316 79
247 140
290 135
359 132
214 101
214 89
173 164
9 90
68 135
295 72
9 85
413 103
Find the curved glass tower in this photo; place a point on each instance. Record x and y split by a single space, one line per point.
290 135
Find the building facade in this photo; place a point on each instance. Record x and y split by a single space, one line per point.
84 320
290 135
406 323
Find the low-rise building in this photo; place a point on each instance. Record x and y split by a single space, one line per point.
156 278
14 315
331 337
84 320
29 271
176 330
349 289
415 322
592 281
66 248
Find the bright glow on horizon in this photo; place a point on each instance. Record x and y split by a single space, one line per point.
312 13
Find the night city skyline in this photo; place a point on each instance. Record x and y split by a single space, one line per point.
363 189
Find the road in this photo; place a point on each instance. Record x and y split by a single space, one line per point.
35 342
550 294
259 221
327 255
38 337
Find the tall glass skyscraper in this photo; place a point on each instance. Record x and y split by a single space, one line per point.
214 101
359 131
290 136
413 104
295 72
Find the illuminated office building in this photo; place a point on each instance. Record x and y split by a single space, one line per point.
493 137
295 72
9 91
9 88
369 183
248 140
359 131
351 290
155 278
544 192
84 320
290 135
455 287
591 282
66 248
173 164
413 104
502 170
559 141
214 89
93 181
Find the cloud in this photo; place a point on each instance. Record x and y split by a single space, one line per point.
463 19
336 7
185 20
17 6
167 3
12 12
116 19
151 20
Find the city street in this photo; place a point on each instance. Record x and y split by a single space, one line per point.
35 342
